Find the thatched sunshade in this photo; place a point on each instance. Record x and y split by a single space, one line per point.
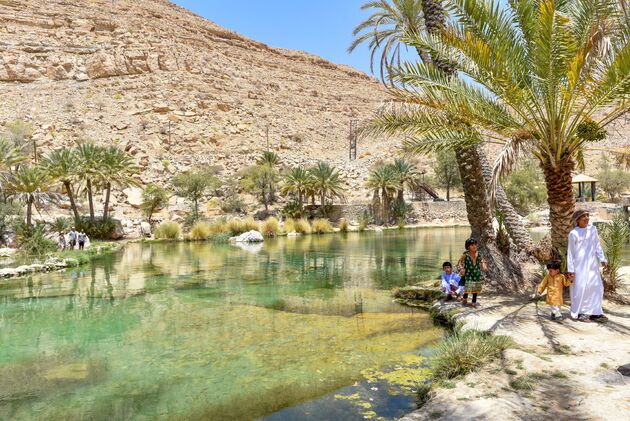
580 180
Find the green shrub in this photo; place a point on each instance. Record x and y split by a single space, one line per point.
464 352
237 226
271 227
322 226
36 243
200 231
219 238
60 225
219 227
250 224
525 187
302 226
97 229
614 237
168 230
364 220
289 225
344 225
292 210
154 198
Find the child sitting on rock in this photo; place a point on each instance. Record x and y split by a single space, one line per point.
450 282
554 283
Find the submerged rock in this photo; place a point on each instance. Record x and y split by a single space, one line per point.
252 236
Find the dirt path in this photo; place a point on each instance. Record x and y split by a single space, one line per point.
557 370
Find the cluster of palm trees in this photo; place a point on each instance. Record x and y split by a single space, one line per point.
321 181
84 170
388 181
541 78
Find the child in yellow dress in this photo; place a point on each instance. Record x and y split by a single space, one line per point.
553 283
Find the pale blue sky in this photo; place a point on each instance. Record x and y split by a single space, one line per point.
320 27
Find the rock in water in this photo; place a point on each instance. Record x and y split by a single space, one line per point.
252 236
145 229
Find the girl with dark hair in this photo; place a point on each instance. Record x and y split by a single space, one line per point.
470 265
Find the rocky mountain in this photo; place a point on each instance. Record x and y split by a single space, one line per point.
176 90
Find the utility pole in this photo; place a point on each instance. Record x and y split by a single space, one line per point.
353 142
267 136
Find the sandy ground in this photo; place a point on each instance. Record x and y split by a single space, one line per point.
570 367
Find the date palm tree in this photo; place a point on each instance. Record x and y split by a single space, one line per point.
297 182
406 173
9 155
30 185
326 182
384 29
118 168
383 181
61 164
89 165
546 81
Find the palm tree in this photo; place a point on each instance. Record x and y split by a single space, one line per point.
89 166
30 185
384 181
326 182
270 159
9 155
406 173
559 73
390 22
61 164
117 167
296 182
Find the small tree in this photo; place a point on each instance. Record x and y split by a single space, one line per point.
261 180
525 187
193 185
154 197
447 172
614 239
30 185
613 181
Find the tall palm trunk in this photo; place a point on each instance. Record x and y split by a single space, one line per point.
561 201
503 273
108 189
512 219
29 212
73 205
385 206
376 207
90 201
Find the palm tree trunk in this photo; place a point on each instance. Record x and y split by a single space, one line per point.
323 199
561 201
385 206
73 205
376 208
108 189
504 274
512 219
29 212
90 201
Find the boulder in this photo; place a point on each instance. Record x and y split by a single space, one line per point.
252 236
134 196
145 229
118 232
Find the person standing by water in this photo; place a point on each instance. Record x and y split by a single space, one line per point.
584 256
72 238
82 238
470 266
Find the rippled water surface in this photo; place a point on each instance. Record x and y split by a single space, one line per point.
296 328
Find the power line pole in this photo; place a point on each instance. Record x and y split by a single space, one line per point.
353 142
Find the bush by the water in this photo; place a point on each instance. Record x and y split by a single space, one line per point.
250 224
302 226
364 220
614 237
289 225
36 243
322 226
464 352
168 230
344 225
200 231
97 229
270 227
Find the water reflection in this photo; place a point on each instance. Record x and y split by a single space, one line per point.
201 331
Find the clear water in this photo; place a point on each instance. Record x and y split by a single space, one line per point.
297 328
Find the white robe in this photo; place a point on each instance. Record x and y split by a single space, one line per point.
583 259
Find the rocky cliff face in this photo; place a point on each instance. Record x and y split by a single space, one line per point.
176 90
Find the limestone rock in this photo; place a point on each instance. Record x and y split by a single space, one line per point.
252 236
134 196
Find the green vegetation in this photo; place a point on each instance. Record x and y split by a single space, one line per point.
302 226
270 227
200 231
321 226
193 185
167 230
525 187
289 225
464 352
343 225
364 220
447 171
388 182
614 238
154 198
612 181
